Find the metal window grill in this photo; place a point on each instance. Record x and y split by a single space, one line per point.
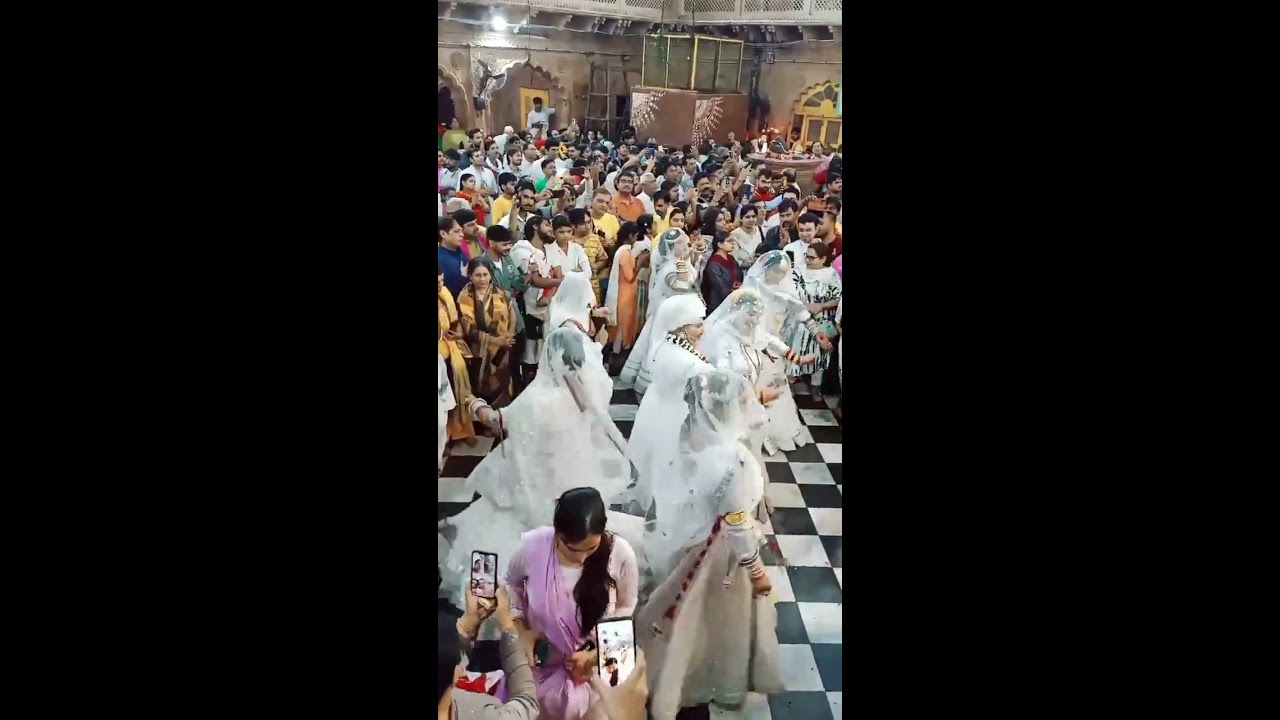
692 62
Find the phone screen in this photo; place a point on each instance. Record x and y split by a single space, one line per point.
616 645
484 574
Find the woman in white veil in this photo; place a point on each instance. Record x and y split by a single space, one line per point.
674 357
709 630
771 278
674 273
556 432
735 339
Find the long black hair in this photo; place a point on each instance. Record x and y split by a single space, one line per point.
448 652
580 513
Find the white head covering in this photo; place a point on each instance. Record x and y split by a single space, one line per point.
738 321
573 301
666 243
771 276
716 418
675 313
566 353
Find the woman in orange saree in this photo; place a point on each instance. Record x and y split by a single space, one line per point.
622 296
454 350
488 325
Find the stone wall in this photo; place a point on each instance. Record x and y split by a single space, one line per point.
795 68
560 64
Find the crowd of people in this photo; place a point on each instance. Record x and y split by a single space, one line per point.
706 282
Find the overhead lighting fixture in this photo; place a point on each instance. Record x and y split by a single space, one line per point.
499 23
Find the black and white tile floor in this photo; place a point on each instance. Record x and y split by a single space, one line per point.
805 558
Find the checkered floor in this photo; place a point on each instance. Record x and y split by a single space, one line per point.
805 556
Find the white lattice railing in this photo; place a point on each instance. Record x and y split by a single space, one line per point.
650 10
759 12
690 12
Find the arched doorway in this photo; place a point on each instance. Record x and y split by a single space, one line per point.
510 103
816 115
444 101
452 99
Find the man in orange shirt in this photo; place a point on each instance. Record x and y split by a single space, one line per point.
627 206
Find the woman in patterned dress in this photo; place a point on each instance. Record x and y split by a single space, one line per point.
818 286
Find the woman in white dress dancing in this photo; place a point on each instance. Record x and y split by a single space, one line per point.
556 431
675 272
735 340
771 278
709 630
674 358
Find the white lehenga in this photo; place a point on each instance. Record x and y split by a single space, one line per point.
706 636
771 278
733 339
673 360
558 436
636 373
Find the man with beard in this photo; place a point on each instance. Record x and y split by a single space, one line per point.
474 242
449 178
828 232
784 233
515 221
513 281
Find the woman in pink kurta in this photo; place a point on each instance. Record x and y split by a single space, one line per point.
563 581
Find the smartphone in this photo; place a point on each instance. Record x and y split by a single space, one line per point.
616 646
484 574
541 652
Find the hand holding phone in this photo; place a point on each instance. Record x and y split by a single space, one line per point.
484 575
616 650
627 700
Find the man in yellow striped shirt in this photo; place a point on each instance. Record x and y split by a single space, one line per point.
594 248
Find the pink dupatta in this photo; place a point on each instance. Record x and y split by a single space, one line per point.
551 610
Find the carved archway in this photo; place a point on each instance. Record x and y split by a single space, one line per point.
815 114
461 98
505 101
